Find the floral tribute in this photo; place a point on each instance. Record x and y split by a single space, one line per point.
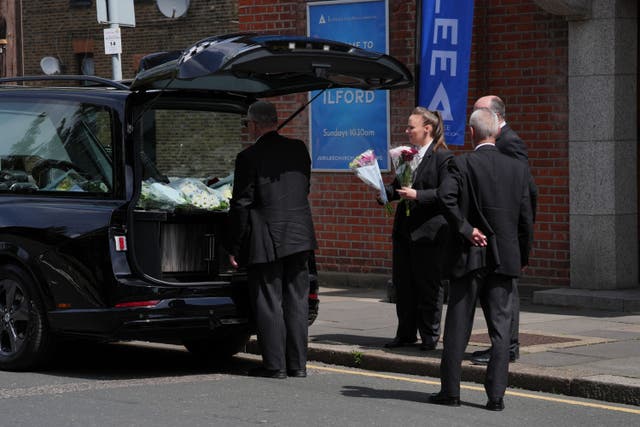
405 161
365 166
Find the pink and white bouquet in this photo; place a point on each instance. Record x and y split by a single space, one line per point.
365 166
405 162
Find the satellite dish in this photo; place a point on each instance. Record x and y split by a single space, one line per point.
173 8
50 65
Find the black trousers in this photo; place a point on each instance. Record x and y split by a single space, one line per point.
279 294
494 292
514 344
419 290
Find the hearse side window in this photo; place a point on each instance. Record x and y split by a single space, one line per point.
55 147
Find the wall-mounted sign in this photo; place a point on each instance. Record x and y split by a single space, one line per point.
112 41
345 122
119 12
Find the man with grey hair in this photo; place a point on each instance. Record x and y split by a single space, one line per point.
486 200
509 143
272 235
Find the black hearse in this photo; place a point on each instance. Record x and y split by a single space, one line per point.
113 195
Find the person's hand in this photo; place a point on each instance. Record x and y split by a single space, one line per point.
407 193
478 238
232 261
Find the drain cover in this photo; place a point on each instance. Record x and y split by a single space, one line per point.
525 339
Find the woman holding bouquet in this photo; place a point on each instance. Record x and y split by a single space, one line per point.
420 233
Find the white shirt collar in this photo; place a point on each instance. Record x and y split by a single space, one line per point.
423 150
483 144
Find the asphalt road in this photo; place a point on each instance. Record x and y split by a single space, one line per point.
150 385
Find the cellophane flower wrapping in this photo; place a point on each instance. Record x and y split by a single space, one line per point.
365 166
155 195
184 193
405 162
198 194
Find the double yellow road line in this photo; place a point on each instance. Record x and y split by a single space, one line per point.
565 401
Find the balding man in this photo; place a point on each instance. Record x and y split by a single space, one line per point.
486 199
272 234
509 143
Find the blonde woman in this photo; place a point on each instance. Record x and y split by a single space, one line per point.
419 235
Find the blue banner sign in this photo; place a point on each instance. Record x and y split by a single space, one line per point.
346 122
445 51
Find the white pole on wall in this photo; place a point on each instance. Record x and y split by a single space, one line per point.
116 58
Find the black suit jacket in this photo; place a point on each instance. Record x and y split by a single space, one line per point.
425 221
270 214
510 143
489 191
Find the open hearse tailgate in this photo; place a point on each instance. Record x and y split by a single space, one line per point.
265 66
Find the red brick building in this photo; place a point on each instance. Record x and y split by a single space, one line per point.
521 51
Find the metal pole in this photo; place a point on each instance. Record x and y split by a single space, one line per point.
116 63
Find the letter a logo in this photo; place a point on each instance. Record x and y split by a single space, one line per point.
322 20
441 99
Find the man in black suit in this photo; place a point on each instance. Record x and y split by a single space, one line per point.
486 199
509 143
272 233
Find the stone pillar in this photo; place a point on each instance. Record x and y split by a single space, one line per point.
603 46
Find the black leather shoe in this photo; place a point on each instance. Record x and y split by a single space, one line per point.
514 354
297 373
481 357
441 399
398 343
267 373
427 347
495 405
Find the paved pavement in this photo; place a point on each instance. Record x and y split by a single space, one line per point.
570 351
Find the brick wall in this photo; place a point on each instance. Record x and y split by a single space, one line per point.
190 145
51 26
519 53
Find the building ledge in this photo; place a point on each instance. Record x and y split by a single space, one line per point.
620 300
567 8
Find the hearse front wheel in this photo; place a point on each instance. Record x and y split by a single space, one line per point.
25 342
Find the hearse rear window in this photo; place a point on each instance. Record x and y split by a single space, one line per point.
188 158
55 147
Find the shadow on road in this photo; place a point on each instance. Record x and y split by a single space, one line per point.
122 360
404 395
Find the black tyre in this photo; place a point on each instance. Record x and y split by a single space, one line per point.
25 341
218 348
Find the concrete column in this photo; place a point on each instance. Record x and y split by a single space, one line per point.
603 208
602 72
